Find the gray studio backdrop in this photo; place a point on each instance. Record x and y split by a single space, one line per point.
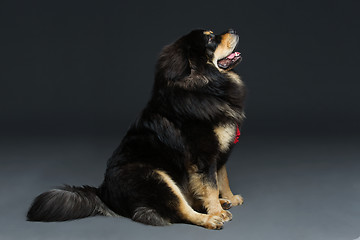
87 67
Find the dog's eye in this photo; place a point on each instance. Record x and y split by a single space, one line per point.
211 38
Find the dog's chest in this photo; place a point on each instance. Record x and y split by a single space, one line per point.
225 134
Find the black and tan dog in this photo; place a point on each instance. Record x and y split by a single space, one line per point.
170 166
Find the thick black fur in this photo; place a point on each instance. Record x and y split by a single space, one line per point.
175 130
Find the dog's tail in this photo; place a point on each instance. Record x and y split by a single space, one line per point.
66 203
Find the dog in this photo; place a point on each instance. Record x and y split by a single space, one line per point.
170 166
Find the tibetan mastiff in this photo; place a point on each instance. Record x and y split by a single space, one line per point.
170 166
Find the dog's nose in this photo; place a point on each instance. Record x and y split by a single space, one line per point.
231 31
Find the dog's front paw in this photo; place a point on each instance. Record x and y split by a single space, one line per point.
224 214
214 222
236 200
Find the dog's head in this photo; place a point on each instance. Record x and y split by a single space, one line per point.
199 50
220 49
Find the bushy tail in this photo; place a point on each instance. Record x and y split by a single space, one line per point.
66 203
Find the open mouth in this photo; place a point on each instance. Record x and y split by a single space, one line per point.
230 60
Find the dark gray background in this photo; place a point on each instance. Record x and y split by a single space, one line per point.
74 75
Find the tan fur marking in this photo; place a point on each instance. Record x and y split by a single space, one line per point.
208 32
226 135
186 212
236 78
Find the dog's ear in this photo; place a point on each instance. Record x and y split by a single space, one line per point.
173 63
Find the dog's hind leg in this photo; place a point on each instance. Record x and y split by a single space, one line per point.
185 212
149 216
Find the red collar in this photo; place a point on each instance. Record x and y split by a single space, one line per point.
237 134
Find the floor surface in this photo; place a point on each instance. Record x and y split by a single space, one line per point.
295 188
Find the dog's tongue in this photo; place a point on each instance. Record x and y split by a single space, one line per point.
232 55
